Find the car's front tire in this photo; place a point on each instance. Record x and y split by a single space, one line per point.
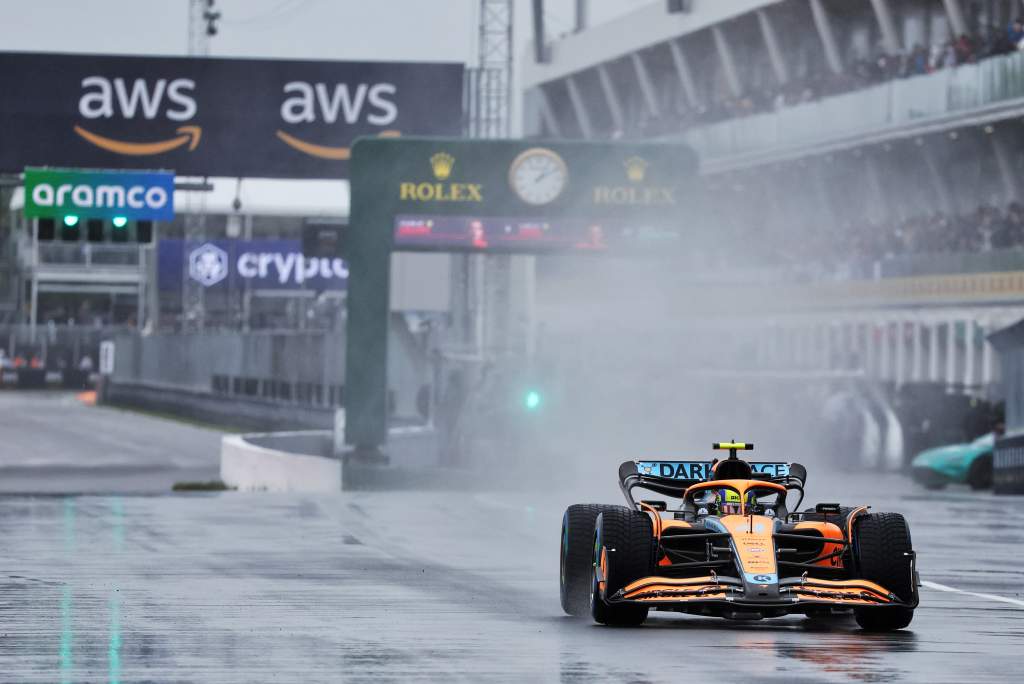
576 557
883 553
623 553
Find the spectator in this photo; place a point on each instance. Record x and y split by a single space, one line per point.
965 49
1015 33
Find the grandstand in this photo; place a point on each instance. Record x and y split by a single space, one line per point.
872 142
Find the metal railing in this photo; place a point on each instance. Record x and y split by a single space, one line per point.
88 254
994 81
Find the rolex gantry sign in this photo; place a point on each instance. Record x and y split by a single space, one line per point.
458 195
522 196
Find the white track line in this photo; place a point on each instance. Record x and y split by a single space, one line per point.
991 597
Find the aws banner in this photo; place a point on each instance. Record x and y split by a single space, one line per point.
101 194
214 117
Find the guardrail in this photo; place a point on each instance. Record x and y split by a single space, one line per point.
994 81
88 254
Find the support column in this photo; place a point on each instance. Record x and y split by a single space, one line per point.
728 64
916 353
933 351
547 113
869 348
646 85
939 183
771 42
986 358
828 39
1006 174
901 353
956 17
950 352
581 15
611 97
579 107
884 16
969 380
850 345
885 355
683 71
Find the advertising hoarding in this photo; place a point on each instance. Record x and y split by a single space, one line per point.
134 195
214 117
258 264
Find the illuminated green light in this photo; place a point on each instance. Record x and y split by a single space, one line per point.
119 221
532 400
70 221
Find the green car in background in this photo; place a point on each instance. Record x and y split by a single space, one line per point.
969 463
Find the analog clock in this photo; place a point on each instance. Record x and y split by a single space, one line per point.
538 176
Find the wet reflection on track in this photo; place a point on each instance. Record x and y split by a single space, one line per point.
365 586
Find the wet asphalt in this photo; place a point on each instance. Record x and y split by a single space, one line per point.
449 586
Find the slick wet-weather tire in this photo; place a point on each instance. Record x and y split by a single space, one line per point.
576 567
626 539
979 476
882 549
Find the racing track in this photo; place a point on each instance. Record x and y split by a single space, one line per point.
444 587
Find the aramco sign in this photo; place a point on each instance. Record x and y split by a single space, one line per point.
135 195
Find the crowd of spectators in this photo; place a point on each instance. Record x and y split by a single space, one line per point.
983 230
918 60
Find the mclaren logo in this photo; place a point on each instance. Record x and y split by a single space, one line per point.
108 98
441 165
313 103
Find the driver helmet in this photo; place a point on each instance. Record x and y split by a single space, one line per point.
728 501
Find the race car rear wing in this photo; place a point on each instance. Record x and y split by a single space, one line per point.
672 478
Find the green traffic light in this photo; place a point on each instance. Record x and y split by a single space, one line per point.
533 400
70 221
119 221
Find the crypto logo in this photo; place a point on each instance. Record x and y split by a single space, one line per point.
208 264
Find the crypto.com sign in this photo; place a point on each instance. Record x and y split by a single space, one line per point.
214 117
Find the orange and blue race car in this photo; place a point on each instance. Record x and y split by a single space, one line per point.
732 548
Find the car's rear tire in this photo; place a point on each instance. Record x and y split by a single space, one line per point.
576 565
979 476
626 539
883 551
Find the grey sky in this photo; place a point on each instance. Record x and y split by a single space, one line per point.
442 30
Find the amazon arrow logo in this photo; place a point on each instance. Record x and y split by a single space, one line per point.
324 151
173 100
189 135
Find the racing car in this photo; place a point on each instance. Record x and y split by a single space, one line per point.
732 548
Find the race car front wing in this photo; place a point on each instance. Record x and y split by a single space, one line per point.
790 595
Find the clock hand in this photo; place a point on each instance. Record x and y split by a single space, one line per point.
543 175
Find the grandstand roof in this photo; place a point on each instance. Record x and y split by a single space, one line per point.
642 28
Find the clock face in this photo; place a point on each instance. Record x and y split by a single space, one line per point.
538 176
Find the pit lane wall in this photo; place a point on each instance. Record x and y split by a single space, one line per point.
280 462
315 461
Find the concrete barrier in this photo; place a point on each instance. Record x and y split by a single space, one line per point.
247 466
